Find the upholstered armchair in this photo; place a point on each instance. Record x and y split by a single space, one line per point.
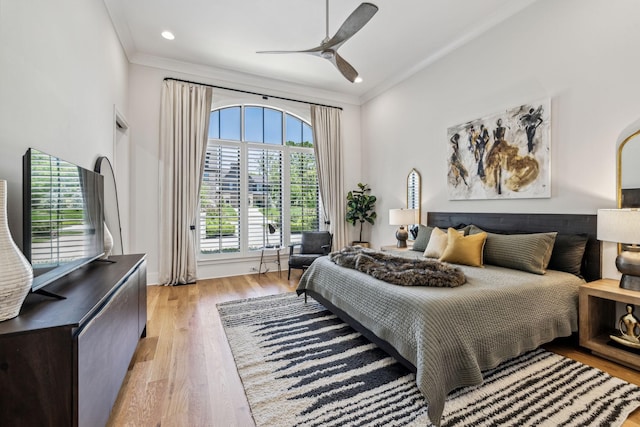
314 244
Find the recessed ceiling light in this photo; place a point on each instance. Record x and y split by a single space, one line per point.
168 35
358 80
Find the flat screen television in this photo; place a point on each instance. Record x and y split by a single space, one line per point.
62 216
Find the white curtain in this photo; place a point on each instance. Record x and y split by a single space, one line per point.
327 145
184 126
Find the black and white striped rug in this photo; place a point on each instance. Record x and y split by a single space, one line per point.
302 366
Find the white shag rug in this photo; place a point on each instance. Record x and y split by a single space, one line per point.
302 366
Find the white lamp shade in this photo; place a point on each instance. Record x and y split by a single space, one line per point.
402 216
619 225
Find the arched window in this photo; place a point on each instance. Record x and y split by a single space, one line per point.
260 185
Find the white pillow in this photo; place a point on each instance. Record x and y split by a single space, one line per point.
437 243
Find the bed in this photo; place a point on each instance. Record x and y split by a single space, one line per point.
447 336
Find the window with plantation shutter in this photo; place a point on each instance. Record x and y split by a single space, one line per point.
260 186
265 197
220 200
303 185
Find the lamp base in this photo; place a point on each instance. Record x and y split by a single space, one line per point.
628 263
402 235
630 282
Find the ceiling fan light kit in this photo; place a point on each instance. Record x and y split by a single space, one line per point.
327 54
328 48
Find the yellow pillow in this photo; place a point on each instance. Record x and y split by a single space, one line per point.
437 243
465 250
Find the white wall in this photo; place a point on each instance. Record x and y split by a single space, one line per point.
580 53
144 119
630 164
62 70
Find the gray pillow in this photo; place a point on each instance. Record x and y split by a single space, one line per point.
568 251
527 252
422 239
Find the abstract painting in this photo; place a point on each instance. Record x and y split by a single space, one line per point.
506 155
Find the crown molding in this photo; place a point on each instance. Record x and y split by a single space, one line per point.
245 81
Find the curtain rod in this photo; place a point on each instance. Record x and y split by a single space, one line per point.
264 96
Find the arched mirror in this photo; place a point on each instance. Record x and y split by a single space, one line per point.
628 181
111 209
414 191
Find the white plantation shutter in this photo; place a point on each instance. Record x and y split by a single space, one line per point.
303 185
220 200
264 167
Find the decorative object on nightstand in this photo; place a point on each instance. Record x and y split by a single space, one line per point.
402 217
629 328
623 226
17 274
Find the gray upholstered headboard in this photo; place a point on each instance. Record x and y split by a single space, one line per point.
532 223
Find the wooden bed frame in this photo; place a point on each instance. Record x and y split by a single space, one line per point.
532 223
496 222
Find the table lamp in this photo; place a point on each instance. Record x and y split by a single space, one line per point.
402 217
623 226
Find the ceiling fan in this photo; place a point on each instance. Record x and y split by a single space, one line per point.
328 48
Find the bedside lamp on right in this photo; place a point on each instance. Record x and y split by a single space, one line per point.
623 226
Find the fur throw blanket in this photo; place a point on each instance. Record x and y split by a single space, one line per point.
398 270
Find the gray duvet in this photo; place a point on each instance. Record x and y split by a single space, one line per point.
451 334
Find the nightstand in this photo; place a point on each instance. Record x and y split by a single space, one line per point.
598 320
394 248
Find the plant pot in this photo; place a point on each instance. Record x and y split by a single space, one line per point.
363 244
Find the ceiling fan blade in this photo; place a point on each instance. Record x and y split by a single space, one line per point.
278 51
344 67
313 51
352 25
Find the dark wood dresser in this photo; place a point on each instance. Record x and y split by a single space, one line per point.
62 362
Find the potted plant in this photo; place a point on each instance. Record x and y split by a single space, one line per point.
360 208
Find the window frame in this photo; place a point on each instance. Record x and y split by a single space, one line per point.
244 251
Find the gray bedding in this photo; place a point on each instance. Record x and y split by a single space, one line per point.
451 334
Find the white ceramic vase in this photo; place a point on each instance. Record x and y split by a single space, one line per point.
16 274
108 242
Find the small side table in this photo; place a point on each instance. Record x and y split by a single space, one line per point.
262 261
395 248
598 319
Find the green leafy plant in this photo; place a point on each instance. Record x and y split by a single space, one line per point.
360 207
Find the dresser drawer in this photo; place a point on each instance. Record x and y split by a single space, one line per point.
105 347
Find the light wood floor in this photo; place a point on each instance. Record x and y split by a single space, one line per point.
183 373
